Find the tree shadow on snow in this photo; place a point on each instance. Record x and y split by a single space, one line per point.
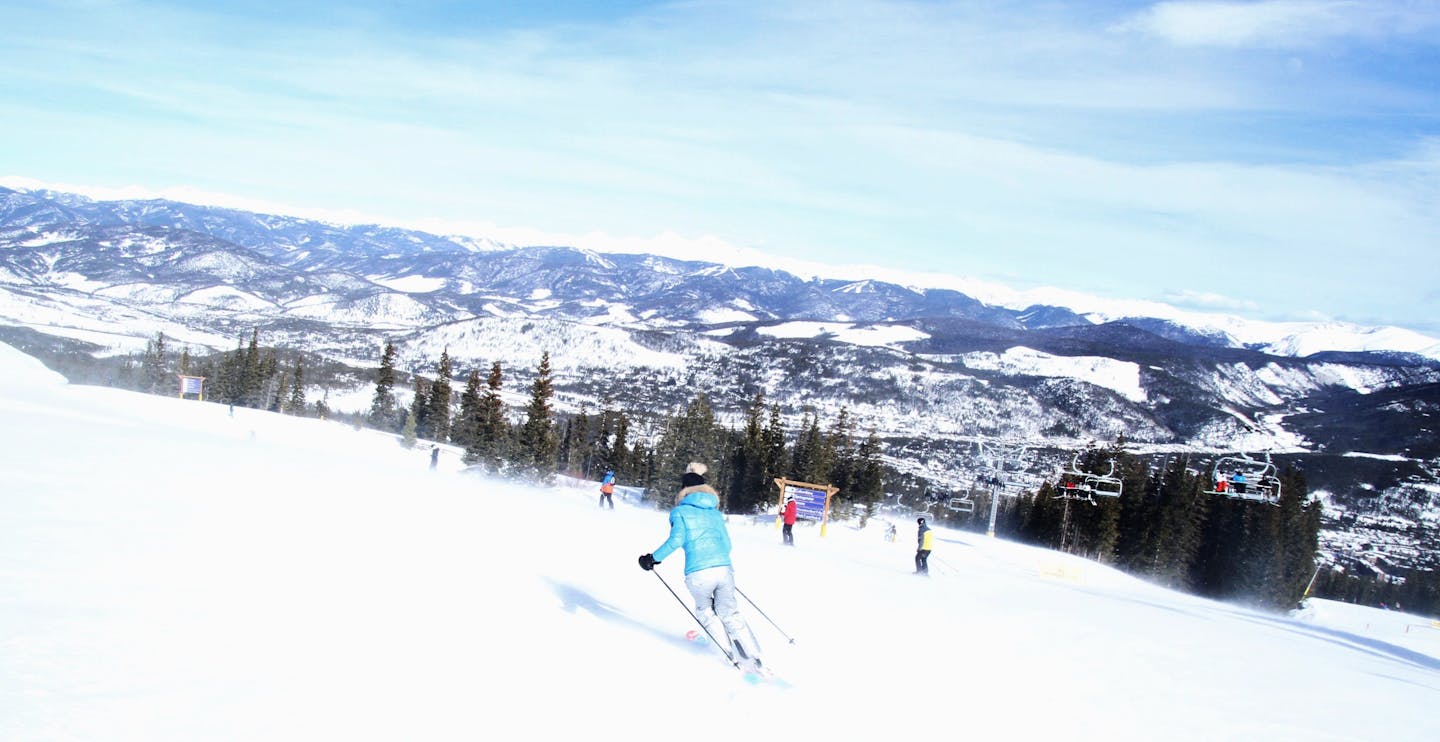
1365 644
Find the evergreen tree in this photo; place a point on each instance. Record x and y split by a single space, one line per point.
228 384
692 436
384 411
154 367
867 487
270 381
492 430
838 456
252 381
575 454
296 404
1162 538
750 489
280 395
775 459
600 451
1044 517
439 400
466 432
808 462
1299 539
619 448
538 442
420 407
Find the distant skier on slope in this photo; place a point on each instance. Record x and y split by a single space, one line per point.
924 541
788 516
698 527
607 490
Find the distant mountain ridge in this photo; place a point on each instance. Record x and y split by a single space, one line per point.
929 369
349 247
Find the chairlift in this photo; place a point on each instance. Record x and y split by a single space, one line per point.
961 504
1077 484
1245 478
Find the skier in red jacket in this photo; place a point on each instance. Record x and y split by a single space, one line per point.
789 518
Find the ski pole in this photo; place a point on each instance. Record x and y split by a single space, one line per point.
947 565
767 618
706 629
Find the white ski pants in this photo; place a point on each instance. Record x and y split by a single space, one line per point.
715 606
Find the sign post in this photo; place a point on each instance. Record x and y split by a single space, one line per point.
812 501
192 385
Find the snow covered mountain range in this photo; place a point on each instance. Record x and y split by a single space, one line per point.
930 369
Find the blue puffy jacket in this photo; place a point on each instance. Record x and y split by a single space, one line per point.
698 527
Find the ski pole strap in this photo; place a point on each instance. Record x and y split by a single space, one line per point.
703 627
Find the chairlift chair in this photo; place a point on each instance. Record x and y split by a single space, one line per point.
1073 490
1261 483
1077 484
961 504
1107 484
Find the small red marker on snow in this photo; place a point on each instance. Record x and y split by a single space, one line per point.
692 635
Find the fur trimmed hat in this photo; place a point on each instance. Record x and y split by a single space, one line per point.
694 474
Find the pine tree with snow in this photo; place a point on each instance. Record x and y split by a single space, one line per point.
384 410
492 431
538 441
420 407
154 366
270 394
439 400
749 487
808 462
619 447
1299 538
574 447
692 435
867 486
296 404
252 383
465 432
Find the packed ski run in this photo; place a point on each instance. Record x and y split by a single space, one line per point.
177 570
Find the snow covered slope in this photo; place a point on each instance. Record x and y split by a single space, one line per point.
174 573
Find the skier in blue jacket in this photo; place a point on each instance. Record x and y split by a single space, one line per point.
698 527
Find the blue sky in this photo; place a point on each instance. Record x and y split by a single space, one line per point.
1275 160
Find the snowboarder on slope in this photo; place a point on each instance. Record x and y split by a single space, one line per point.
698 527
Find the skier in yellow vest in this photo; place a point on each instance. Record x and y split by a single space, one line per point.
924 540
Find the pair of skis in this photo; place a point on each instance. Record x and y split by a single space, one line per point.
754 671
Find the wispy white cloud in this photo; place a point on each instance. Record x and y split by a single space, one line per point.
993 140
1211 301
1284 23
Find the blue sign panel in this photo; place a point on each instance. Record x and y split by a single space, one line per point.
809 503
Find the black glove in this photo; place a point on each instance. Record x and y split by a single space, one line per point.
647 562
